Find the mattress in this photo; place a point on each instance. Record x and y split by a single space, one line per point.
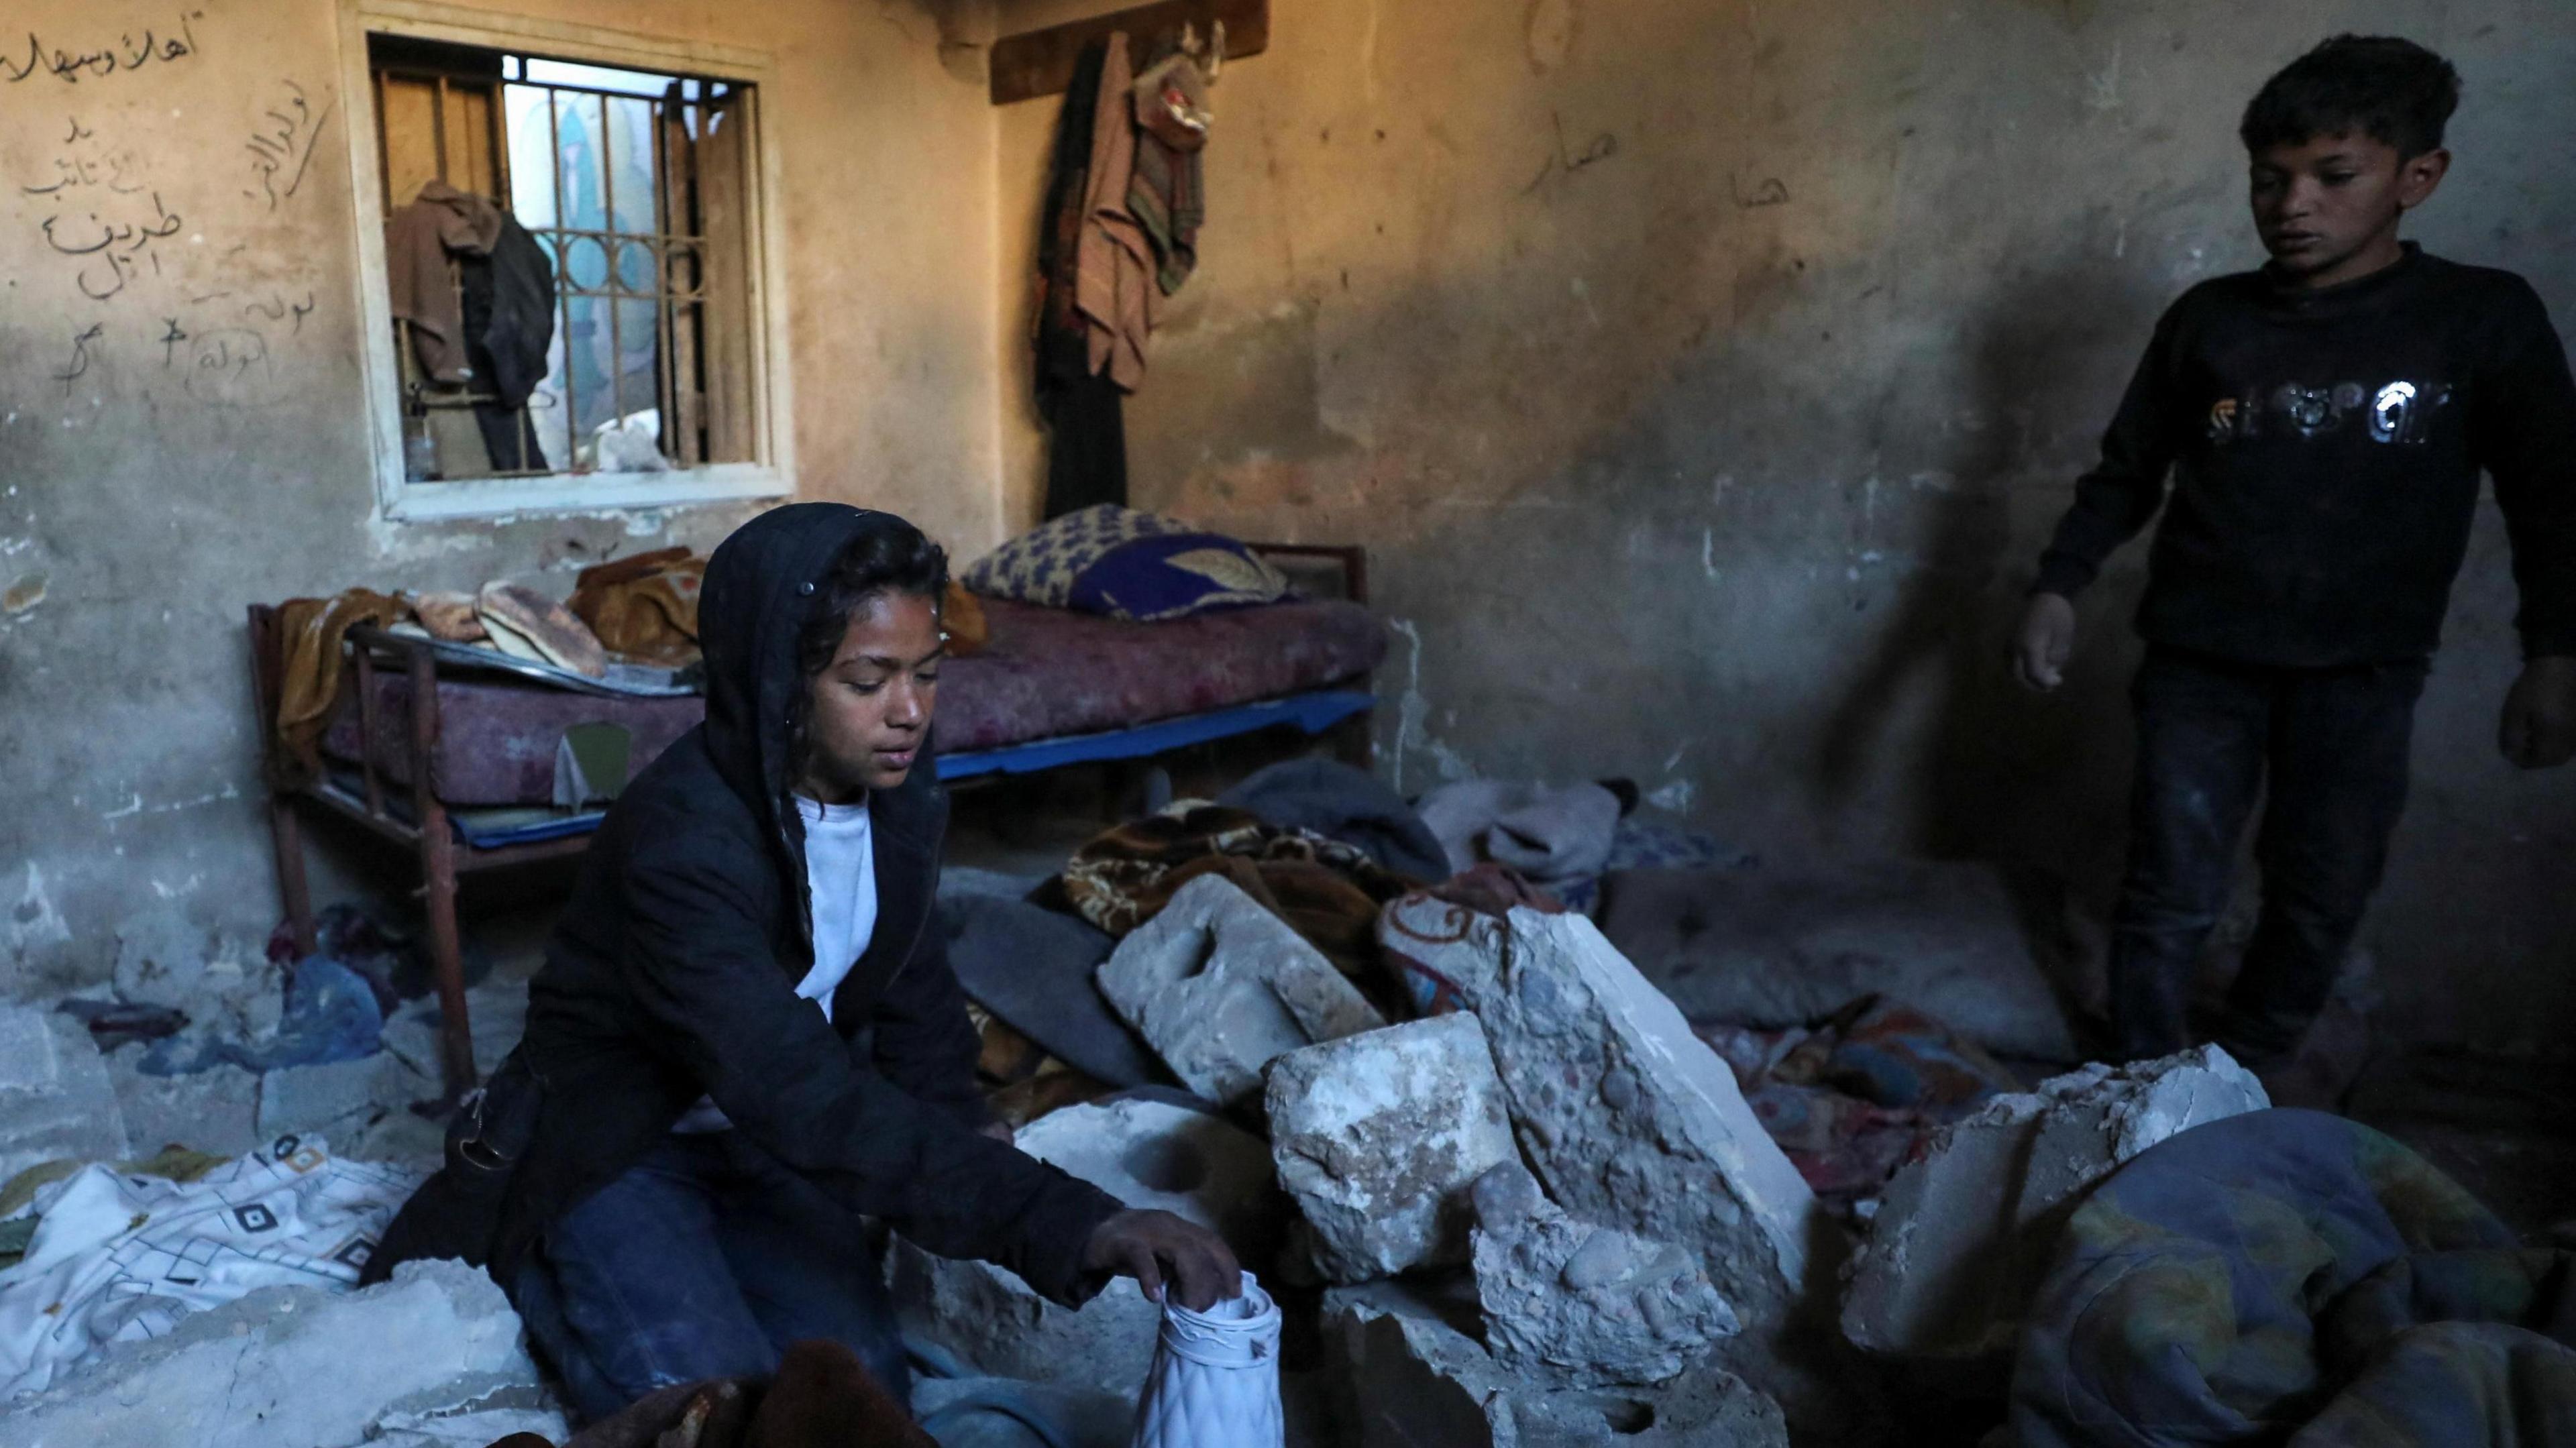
1044 673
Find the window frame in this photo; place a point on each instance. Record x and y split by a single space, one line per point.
772 472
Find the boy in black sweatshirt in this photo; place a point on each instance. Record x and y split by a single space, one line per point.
2325 421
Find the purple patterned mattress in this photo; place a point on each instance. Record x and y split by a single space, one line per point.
1045 673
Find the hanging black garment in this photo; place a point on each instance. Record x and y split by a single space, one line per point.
508 308
1087 433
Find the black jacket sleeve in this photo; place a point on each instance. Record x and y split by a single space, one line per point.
2124 490
714 998
920 1036
2526 440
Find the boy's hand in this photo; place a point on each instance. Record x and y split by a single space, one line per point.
1157 1248
2047 637
2539 730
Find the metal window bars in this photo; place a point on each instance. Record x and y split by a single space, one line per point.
659 277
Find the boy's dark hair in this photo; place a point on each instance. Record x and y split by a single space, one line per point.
896 559
2392 90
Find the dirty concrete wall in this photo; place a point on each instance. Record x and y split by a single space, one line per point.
1705 378
137 520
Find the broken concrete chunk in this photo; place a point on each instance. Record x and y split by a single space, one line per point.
56 1099
1378 1137
1412 1375
1963 1235
1629 1120
215 1111
1219 986
337 1099
1145 1153
293 1368
1585 1306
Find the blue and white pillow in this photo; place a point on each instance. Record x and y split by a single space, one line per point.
1126 564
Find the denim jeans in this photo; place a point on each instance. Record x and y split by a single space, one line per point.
2330 748
705 1259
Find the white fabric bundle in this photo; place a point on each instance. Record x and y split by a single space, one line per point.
1215 1381
120 1258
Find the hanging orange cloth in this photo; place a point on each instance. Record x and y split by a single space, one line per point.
310 632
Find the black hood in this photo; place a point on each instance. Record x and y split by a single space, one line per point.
762 586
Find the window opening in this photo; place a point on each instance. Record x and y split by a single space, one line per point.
634 188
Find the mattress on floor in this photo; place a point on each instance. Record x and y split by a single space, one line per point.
1045 673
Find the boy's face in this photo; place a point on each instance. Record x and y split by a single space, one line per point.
2328 207
871 705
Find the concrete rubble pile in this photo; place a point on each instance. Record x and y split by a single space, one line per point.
1963 1234
56 1098
1221 987
432 1357
1147 1153
1377 1137
1602 1293
1589 1305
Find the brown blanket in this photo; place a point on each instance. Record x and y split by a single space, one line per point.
310 632
1328 892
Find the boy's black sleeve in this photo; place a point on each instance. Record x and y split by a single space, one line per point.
2526 439
2121 494
922 1039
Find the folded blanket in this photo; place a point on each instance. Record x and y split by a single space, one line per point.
2280 1270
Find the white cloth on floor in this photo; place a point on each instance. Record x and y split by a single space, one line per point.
1552 835
122 1258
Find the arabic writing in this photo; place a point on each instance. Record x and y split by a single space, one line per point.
116 246
231 368
72 66
78 366
282 147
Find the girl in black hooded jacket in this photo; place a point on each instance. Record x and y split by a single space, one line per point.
746 1034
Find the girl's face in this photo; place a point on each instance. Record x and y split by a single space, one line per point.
869 710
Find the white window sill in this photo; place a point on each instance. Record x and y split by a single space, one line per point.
584 493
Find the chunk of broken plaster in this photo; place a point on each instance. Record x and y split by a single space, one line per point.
1963 1235
1146 1153
1412 1375
56 1099
1378 1136
1219 986
292 1367
1629 1119
1585 1306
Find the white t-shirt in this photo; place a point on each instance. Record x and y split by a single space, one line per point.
841 874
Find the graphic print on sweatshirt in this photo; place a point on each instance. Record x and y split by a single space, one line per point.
2397 413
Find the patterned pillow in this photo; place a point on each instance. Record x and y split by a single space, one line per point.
1173 575
1040 565
1126 564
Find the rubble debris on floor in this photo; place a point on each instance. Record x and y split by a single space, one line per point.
1963 1234
1629 1120
1147 1153
279 1369
1778 947
1378 1137
1585 1306
1219 986
56 1099
1409 1373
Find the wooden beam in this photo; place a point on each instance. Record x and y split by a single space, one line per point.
1040 62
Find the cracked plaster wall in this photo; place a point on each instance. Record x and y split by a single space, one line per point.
1705 376
136 521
